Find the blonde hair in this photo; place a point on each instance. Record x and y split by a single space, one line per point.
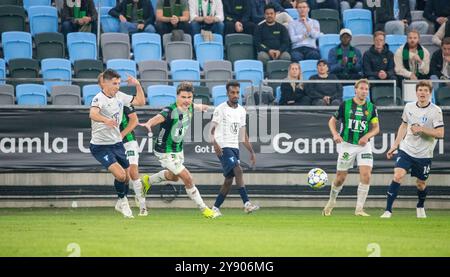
361 81
299 75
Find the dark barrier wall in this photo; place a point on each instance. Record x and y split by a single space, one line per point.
285 140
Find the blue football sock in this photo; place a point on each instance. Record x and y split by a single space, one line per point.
422 195
127 188
392 195
219 200
243 193
120 188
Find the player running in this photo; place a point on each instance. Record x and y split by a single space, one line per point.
175 120
422 125
227 127
359 123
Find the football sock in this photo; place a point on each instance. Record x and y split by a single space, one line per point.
243 193
158 177
219 200
120 188
334 192
137 187
391 195
422 195
127 188
194 194
363 191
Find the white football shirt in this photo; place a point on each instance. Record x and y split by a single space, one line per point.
229 121
429 117
110 107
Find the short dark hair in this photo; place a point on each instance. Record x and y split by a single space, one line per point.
232 84
110 74
185 86
445 41
299 2
269 6
425 83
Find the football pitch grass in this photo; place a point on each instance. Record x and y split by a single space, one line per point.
269 232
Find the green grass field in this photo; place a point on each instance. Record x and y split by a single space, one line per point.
183 232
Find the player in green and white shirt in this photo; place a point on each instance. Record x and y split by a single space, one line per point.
175 120
359 123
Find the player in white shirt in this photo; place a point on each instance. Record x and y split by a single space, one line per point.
416 138
106 143
227 130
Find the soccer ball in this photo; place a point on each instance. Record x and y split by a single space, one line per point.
317 178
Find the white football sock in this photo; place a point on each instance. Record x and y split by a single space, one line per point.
157 178
137 187
334 192
194 194
363 191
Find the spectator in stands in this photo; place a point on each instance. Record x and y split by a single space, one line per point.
323 4
394 17
287 4
412 61
208 17
292 93
437 12
79 17
345 60
135 16
271 38
258 11
304 33
443 32
172 15
378 61
324 94
238 17
351 4
440 62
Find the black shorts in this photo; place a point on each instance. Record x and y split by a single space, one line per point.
109 154
420 168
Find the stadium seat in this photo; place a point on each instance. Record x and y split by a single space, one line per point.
156 70
43 19
2 71
115 46
202 95
326 43
348 92
160 96
185 70
358 20
12 2
89 91
49 45
87 69
217 70
383 95
426 41
293 13
278 70
130 90
146 46
208 50
109 24
258 95
23 68
249 70
329 20
30 3
105 3
124 67
66 95
177 50
12 18
81 46
239 47
308 68
31 94
17 45
56 69
6 95
362 42
219 95
442 96
395 41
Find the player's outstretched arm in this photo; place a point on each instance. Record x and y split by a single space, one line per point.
332 126
248 145
139 99
94 114
401 133
154 121
201 107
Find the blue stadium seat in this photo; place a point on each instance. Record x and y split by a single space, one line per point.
56 69
2 71
395 41
358 20
123 67
31 94
82 46
30 3
43 19
17 45
249 70
278 94
146 47
293 13
208 50
160 96
154 2
89 91
109 24
326 43
185 70
308 68
348 92
105 3
219 95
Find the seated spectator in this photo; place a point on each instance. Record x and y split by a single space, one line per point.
437 12
378 61
208 17
79 17
258 11
292 93
351 4
304 34
172 15
237 17
135 16
440 63
324 94
287 4
323 4
345 60
412 61
443 32
394 17
271 38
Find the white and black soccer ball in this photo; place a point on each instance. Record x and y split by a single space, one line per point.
317 178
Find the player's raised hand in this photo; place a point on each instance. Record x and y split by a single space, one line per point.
390 153
337 138
132 81
146 125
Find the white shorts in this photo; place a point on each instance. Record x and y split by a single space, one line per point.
349 152
172 161
132 151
